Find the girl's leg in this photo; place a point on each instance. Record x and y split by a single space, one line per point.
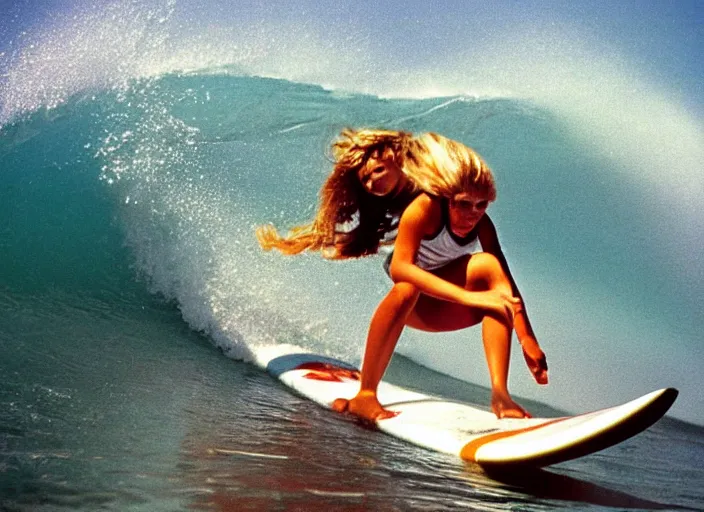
404 305
482 272
384 331
485 273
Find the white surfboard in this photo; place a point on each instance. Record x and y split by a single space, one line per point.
471 433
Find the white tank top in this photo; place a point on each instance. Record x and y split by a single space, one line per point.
446 247
443 248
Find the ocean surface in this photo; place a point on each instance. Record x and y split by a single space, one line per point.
134 298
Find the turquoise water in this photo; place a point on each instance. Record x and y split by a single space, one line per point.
133 296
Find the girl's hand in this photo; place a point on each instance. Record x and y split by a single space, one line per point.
535 359
500 304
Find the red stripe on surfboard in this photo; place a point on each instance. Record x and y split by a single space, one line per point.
327 372
469 451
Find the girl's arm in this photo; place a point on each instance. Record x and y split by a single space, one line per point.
490 243
423 217
526 337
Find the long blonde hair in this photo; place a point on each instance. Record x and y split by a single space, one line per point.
342 198
444 167
431 163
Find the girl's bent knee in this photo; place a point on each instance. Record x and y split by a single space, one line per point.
404 292
487 261
485 271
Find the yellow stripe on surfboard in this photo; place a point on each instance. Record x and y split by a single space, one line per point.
469 451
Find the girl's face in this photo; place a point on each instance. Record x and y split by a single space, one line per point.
466 209
380 175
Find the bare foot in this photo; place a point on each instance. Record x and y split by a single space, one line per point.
504 407
365 406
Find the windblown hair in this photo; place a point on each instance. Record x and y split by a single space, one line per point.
431 163
443 167
343 200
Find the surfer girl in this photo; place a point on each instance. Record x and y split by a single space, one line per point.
360 202
449 272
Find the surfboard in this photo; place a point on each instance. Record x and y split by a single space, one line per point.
471 433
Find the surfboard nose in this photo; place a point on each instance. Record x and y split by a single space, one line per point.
570 437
